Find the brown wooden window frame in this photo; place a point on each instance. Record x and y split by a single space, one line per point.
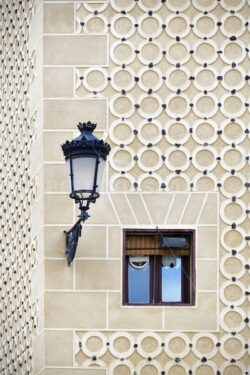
188 268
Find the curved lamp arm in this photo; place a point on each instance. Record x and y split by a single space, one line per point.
73 235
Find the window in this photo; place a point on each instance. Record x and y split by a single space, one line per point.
159 267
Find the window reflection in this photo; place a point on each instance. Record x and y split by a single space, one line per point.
138 280
171 279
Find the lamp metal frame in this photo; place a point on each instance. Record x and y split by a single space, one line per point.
85 145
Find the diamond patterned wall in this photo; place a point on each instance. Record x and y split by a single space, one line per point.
17 256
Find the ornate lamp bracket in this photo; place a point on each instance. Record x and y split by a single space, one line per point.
73 235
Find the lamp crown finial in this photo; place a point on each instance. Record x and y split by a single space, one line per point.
86 126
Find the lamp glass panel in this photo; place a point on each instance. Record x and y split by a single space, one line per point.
100 173
83 169
69 172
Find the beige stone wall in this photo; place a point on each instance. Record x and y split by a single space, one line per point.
167 84
93 284
179 159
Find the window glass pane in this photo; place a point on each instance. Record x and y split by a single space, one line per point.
138 280
171 279
174 242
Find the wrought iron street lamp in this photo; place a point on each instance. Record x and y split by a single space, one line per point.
85 157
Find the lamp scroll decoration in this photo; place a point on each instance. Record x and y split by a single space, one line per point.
85 157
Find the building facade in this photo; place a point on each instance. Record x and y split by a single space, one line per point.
167 83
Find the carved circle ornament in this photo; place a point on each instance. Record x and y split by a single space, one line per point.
125 336
157 347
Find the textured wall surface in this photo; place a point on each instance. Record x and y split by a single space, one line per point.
168 84
172 97
18 190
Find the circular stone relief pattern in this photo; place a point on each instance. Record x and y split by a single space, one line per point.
162 352
186 63
178 93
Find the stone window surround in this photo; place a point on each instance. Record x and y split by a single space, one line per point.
112 211
188 269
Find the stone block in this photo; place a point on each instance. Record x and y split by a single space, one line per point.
66 114
98 274
127 317
75 310
75 50
58 82
58 18
58 209
58 275
59 348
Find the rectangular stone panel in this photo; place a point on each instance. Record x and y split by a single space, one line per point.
58 275
74 371
76 50
55 178
115 245
207 274
58 348
92 242
127 317
66 114
58 209
75 310
98 274
58 82
207 244
58 18
202 317
54 240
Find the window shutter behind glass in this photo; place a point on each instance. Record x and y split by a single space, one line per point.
149 244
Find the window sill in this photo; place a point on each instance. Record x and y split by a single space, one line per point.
173 304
